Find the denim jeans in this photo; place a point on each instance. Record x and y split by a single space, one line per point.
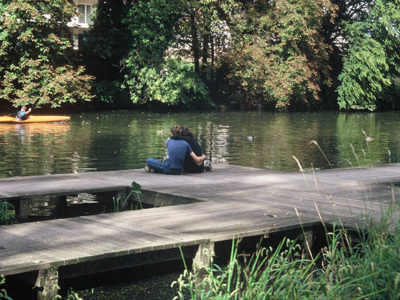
160 167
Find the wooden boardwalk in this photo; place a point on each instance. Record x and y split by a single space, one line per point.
233 201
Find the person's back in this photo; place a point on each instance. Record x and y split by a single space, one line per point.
190 165
178 150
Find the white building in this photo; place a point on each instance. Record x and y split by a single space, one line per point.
82 20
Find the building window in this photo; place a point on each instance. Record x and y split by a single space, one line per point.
84 11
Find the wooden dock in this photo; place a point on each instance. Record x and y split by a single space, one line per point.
231 201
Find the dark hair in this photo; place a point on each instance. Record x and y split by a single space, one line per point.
176 129
186 131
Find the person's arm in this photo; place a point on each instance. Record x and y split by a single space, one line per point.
198 159
27 112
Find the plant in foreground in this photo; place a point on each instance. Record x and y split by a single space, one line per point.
3 292
368 269
134 191
7 213
268 274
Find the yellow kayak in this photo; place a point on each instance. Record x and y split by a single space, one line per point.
34 119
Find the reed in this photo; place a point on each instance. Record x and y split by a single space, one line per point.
368 269
71 295
7 213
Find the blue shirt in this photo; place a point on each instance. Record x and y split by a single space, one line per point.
21 114
177 151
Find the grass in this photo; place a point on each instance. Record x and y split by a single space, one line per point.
7 213
354 265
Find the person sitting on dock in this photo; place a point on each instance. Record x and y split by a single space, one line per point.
190 165
177 151
22 114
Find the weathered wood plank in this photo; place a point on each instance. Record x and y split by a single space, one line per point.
235 201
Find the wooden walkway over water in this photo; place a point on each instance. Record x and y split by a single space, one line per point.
232 201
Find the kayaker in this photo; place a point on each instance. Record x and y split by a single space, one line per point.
177 151
22 114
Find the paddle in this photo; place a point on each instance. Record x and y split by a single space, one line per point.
34 104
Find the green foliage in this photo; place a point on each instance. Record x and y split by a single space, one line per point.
268 274
389 98
279 55
118 206
151 24
373 57
135 191
150 75
104 47
175 84
364 74
7 213
71 295
3 292
344 270
369 269
37 57
266 54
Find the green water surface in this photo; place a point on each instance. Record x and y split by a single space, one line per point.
124 139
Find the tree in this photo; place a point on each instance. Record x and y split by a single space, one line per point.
278 57
372 61
105 46
152 75
37 59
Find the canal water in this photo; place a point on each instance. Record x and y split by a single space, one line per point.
124 139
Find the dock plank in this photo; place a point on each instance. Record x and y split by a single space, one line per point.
233 201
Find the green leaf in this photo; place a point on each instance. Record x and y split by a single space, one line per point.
136 186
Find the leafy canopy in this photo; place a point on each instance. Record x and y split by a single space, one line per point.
151 75
373 58
38 65
278 55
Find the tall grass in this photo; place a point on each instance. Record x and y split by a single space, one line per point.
7 213
364 266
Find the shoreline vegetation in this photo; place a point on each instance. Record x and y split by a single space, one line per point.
354 264
274 56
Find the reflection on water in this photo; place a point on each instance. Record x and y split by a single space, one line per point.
124 140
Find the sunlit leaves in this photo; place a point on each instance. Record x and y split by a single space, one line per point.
151 76
363 76
281 59
37 55
373 58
